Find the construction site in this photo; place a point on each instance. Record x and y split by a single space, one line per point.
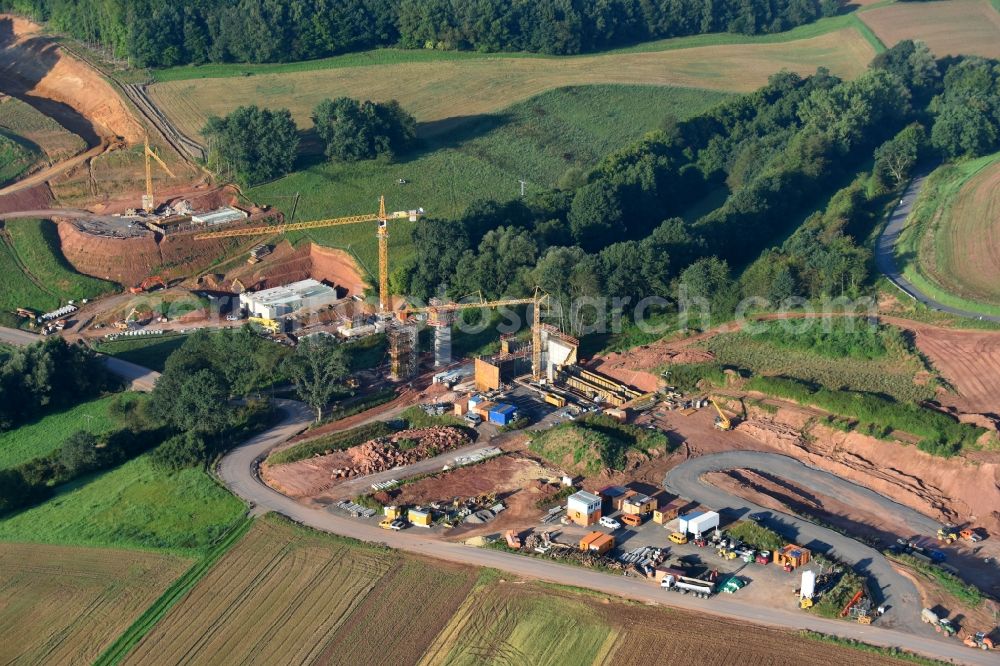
605 463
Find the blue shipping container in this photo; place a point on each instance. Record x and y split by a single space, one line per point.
502 414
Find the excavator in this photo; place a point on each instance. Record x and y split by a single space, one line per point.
722 422
148 284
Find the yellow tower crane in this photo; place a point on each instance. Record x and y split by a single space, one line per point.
540 298
148 203
385 302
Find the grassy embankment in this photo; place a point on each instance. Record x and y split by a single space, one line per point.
950 222
36 274
483 157
44 436
593 443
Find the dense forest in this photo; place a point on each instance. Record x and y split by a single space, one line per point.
808 165
159 33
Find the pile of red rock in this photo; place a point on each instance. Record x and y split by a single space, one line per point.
402 448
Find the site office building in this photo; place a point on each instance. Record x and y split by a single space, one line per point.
583 508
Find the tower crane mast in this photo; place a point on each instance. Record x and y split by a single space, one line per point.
385 301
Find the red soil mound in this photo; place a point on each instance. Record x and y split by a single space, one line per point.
287 264
128 261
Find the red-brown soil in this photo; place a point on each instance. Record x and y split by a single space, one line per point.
130 260
868 522
287 264
969 360
307 478
34 198
35 67
518 481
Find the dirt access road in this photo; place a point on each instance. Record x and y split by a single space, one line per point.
138 377
892 587
238 470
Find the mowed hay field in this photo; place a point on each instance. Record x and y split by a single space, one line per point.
544 625
64 605
287 595
966 242
443 92
949 27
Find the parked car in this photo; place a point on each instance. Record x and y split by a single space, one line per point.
386 524
398 525
678 537
610 523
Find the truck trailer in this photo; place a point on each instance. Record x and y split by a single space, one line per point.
685 584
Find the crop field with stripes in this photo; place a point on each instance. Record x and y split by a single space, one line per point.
65 604
287 595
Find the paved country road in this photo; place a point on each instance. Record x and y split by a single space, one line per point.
892 587
885 254
238 470
138 377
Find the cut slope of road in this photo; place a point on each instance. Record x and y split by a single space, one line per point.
35 70
446 92
886 261
894 588
238 471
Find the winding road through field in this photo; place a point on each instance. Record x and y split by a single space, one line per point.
238 470
885 254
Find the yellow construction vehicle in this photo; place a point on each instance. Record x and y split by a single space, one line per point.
385 302
805 603
270 325
947 535
722 422
148 203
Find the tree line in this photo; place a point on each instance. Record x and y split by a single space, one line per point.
157 33
257 144
808 165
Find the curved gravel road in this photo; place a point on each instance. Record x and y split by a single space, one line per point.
892 587
238 470
885 254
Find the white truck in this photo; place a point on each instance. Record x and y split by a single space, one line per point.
702 589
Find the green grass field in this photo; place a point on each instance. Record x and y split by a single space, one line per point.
47 434
15 159
151 352
36 274
134 506
537 140
896 372
941 250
